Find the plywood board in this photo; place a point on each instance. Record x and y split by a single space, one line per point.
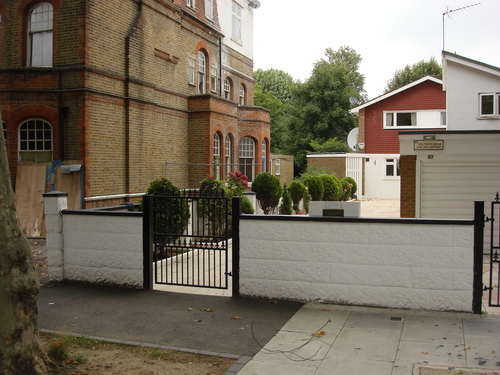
30 187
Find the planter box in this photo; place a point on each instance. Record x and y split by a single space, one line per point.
335 208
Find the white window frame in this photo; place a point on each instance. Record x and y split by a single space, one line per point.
264 156
246 154
191 3
394 162
209 9
496 105
202 70
213 78
277 169
40 35
236 22
228 143
217 158
227 89
242 97
191 70
422 119
33 138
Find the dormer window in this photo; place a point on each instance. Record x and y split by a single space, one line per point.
209 12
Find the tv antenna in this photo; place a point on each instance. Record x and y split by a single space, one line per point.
449 11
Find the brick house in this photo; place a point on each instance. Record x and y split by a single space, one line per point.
416 106
131 90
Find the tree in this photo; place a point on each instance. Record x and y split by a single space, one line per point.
280 83
20 349
321 105
330 145
413 73
268 191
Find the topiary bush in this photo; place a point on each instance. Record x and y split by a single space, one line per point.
246 206
354 186
333 187
297 192
214 211
315 187
172 212
268 191
286 202
346 190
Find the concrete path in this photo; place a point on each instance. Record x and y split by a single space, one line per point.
329 340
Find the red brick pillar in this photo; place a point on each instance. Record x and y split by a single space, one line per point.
408 167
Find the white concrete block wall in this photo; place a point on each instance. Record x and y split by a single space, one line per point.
414 266
102 249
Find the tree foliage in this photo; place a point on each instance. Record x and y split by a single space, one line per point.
330 145
413 73
268 191
278 82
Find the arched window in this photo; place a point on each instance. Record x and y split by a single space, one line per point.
227 89
40 35
35 141
216 159
242 95
247 157
202 67
229 153
264 156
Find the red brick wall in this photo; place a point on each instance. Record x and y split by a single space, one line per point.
426 96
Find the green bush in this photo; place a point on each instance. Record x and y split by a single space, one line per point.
268 191
315 186
172 212
354 187
286 202
333 187
246 206
213 210
297 192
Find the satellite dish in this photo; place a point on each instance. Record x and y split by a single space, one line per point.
352 139
254 3
353 100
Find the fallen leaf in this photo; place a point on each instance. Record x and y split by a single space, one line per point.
236 318
197 320
467 348
319 333
209 309
190 309
273 301
242 328
425 352
325 309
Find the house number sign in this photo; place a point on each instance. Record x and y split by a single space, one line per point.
428 145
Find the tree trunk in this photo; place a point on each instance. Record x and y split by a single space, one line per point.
20 350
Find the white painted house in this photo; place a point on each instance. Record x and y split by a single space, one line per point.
456 167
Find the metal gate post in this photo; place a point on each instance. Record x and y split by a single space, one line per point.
147 242
235 221
477 291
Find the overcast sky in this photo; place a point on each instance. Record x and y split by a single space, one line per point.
292 35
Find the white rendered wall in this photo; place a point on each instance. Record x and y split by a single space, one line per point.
377 185
245 47
375 263
102 249
462 97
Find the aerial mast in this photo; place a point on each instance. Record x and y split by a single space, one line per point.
449 11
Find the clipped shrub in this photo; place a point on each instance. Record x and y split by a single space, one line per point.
333 187
214 211
346 190
172 212
354 187
268 190
246 206
286 202
315 187
297 192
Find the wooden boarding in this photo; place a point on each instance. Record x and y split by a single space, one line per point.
31 184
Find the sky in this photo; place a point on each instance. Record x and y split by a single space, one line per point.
292 35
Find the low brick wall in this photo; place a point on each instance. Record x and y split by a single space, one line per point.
394 263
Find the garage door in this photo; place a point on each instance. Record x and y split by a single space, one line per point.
448 190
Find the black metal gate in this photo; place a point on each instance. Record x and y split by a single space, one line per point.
494 275
188 239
